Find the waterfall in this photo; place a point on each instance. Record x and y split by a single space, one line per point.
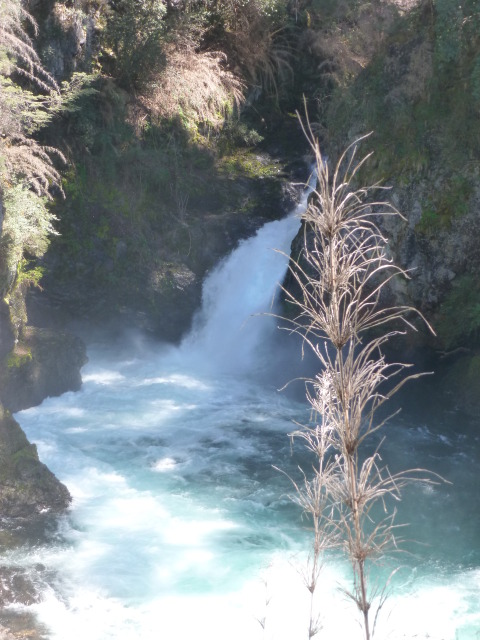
232 331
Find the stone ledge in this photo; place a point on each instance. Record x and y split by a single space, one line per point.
44 363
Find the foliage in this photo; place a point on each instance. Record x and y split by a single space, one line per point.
244 164
475 79
22 111
164 57
16 47
448 27
29 97
22 157
27 171
134 37
448 201
28 223
236 133
16 360
456 30
254 34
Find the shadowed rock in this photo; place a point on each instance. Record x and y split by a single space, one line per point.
27 487
45 363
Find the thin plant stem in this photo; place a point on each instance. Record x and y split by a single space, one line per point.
340 275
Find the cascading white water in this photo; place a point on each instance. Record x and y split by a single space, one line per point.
227 335
180 527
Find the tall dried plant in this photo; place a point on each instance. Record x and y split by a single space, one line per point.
196 84
257 41
340 276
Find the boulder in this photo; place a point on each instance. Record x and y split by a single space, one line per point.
27 487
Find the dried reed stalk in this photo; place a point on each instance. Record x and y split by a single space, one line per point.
340 276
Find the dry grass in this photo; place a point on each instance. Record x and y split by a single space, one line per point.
261 51
195 85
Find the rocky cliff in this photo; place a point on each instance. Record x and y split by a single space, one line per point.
27 487
44 363
409 73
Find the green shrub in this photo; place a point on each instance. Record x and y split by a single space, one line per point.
28 224
134 37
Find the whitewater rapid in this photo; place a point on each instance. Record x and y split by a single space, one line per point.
181 528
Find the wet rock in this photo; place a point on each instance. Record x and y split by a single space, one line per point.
16 587
435 252
44 363
20 625
27 487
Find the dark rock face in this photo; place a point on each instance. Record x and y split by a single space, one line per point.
6 333
461 382
21 625
46 363
435 254
27 487
15 586
436 257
